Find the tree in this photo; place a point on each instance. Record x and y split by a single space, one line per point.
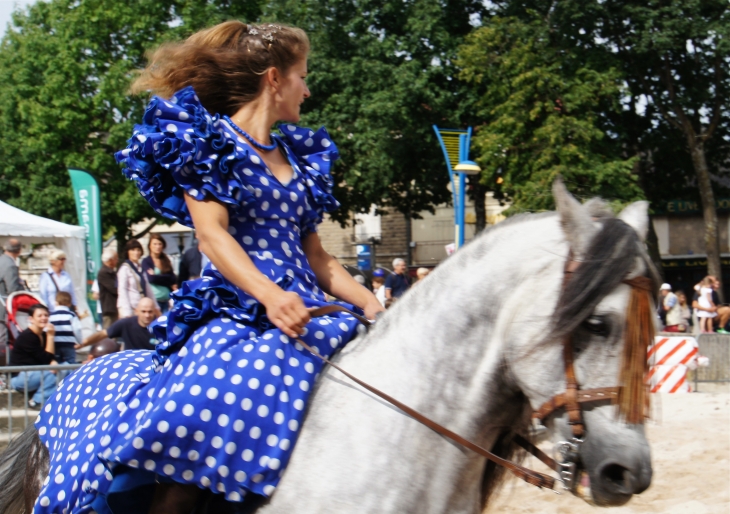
66 68
674 56
543 110
677 54
381 73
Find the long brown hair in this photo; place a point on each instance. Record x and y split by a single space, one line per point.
224 63
165 264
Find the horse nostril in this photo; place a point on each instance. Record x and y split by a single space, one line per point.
618 478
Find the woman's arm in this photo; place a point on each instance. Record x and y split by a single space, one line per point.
50 339
43 288
285 310
163 279
124 304
71 290
335 280
148 266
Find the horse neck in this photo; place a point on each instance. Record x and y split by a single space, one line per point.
441 349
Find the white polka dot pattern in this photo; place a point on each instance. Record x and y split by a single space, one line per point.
220 403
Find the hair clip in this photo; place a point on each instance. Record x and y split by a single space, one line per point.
268 37
253 31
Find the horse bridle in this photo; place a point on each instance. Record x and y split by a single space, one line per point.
570 400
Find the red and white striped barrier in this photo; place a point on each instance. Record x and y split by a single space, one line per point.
669 358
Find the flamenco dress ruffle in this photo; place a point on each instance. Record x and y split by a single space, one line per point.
220 402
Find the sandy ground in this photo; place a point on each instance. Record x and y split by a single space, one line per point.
690 444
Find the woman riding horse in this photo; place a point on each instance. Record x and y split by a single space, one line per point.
220 402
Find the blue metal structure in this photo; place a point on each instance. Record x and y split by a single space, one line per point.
455 145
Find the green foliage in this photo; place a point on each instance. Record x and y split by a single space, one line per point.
544 114
381 73
673 56
66 67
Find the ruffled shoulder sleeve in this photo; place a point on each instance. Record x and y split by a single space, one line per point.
180 147
315 152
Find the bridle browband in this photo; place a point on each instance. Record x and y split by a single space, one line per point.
570 400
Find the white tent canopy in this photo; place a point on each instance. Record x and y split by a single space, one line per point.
33 229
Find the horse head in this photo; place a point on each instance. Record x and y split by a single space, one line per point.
596 317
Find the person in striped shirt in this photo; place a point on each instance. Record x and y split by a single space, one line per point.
68 328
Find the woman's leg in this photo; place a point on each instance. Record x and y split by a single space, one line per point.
26 379
48 387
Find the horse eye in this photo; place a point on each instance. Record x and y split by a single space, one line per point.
597 326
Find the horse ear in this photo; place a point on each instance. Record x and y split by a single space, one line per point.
574 219
636 216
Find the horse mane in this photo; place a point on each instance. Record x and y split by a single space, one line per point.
611 256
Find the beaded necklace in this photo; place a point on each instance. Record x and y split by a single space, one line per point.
256 144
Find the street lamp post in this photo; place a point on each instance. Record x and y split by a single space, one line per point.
455 145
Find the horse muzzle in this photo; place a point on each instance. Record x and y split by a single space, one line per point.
613 473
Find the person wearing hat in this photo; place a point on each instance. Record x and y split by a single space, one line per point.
379 285
670 305
9 279
55 280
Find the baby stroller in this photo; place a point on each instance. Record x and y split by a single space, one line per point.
17 306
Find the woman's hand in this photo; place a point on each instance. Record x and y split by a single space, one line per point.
287 312
372 309
150 271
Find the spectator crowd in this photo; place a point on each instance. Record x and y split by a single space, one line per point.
705 314
130 294
135 290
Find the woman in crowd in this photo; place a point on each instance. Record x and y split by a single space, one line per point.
132 282
220 404
158 269
55 280
35 346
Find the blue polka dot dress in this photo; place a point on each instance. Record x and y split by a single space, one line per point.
220 403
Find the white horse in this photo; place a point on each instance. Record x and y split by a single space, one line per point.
476 347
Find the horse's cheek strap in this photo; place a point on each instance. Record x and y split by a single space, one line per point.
571 391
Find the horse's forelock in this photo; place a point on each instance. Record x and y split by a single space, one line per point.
611 257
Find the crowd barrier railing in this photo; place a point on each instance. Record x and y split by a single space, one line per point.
27 414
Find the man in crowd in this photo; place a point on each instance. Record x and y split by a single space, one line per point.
133 330
397 283
107 280
56 279
191 264
35 346
723 311
672 310
9 280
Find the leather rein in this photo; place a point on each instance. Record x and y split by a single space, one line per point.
570 400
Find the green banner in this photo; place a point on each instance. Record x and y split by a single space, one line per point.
88 208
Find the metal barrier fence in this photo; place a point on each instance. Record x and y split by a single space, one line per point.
717 348
6 374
